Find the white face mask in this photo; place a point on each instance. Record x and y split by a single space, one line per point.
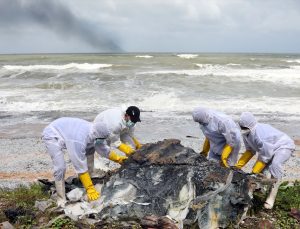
130 124
245 131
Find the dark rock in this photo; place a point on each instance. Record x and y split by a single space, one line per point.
12 214
167 178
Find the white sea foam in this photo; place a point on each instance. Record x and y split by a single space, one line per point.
50 105
292 61
232 64
158 101
162 103
287 76
187 56
170 102
84 67
144 56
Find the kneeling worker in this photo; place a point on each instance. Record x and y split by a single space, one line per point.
274 148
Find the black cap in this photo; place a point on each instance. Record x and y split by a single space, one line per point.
134 113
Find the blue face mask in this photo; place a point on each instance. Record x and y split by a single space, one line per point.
130 124
99 141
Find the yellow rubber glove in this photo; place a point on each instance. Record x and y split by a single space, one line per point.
225 154
126 149
258 167
138 145
244 159
89 187
116 158
206 147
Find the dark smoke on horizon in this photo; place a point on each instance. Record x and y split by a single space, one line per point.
56 17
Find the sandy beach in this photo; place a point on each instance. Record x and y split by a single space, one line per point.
24 160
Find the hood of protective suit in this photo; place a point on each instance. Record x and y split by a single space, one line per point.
201 115
247 120
99 130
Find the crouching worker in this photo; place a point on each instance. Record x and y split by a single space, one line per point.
274 148
222 136
78 137
121 123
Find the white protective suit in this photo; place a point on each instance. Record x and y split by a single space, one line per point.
119 132
273 146
75 135
220 130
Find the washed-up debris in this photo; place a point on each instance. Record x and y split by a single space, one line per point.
43 204
167 183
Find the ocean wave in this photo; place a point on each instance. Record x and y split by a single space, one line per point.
187 56
209 66
144 56
232 64
293 61
295 67
84 67
172 102
287 76
162 102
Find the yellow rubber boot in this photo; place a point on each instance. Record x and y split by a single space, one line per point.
138 145
91 192
126 149
244 159
206 147
116 158
225 154
258 167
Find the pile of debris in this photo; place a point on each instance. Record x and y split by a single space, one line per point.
165 185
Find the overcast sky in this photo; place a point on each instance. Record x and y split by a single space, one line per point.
63 26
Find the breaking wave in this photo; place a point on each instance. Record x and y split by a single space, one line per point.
144 56
172 102
84 67
187 56
293 61
287 76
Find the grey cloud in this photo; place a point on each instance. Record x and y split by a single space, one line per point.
161 26
56 17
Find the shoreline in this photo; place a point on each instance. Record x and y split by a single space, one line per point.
28 161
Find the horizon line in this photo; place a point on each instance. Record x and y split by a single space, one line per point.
126 53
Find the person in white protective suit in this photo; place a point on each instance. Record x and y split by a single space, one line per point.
274 148
222 136
79 138
120 122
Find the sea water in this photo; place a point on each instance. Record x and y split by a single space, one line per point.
36 89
